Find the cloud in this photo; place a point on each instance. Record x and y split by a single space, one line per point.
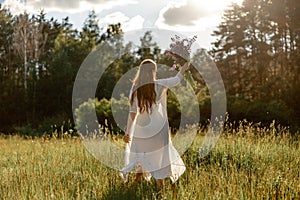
114 18
128 24
134 23
68 6
185 14
54 4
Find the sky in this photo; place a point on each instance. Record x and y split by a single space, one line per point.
189 17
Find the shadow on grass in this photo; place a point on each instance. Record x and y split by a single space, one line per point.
131 190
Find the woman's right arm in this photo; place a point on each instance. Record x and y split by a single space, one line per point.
131 118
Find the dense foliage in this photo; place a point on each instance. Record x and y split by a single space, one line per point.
257 51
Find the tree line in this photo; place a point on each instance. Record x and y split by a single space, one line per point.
39 59
256 51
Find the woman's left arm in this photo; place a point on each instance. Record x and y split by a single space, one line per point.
173 81
183 69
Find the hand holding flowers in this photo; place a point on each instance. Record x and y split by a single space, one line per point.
180 50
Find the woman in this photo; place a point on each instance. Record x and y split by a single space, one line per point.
149 147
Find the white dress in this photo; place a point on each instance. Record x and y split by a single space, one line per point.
150 147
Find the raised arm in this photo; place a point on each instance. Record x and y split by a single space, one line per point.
183 69
173 81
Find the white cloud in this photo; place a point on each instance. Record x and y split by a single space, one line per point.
134 23
127 24
193 16
66 6
113 18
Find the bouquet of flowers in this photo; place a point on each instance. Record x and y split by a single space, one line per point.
180 50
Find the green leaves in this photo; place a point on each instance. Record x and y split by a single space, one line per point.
255 51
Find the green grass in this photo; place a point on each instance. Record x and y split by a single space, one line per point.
249 163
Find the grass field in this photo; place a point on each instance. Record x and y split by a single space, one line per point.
248 163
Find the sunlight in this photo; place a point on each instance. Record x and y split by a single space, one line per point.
218 5
214 10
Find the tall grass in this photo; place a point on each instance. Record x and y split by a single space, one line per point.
247 163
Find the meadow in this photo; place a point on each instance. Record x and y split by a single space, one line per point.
247 163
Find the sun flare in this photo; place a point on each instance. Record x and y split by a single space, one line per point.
217 5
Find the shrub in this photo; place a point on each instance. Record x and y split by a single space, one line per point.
262 112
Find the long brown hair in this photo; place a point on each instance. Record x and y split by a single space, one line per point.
143 85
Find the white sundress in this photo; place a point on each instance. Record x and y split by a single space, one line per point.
151 147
